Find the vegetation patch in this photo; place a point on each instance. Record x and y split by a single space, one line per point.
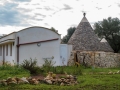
90 79
12 71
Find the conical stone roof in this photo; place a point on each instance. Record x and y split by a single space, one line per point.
105 45
84 38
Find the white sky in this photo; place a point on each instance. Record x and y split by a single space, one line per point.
60 14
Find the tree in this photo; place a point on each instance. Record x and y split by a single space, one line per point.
53 29
70 31
110 30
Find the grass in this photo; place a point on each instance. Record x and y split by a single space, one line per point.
13 71
68 69
91 79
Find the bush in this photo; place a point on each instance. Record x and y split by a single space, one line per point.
31 65
48 64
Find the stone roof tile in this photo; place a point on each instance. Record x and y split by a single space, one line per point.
85 39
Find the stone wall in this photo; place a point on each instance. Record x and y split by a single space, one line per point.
97 59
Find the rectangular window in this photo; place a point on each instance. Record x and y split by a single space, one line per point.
11 49
0 50
7 50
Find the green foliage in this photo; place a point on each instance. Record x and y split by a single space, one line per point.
12 71
77 70
53 29
31 65
110 30
48 64
87 81
58 69
74 70
70 31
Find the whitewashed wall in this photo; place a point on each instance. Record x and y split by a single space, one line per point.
7 40
10 36
1 57
60 52
65 51
45 50
9 58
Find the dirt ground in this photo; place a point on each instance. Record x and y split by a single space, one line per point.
41 77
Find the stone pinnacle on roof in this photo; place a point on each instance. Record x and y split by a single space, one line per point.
103 40
84 38
84 14
84 18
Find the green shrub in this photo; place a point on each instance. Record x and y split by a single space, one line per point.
59 69
31 65
48 64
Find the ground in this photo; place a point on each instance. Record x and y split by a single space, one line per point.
41 77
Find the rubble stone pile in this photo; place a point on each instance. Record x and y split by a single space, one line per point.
65 80
49 79
17 80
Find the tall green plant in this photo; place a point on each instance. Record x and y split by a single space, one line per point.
48 64
31 65
76 69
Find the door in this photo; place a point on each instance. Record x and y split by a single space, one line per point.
63 55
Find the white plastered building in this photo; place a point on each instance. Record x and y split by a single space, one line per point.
34 42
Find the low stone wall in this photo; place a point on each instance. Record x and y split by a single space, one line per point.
1 63
97 59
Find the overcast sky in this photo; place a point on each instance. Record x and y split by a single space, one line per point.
60 14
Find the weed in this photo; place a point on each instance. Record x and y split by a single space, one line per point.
31 65
86 81
12 71
48 64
